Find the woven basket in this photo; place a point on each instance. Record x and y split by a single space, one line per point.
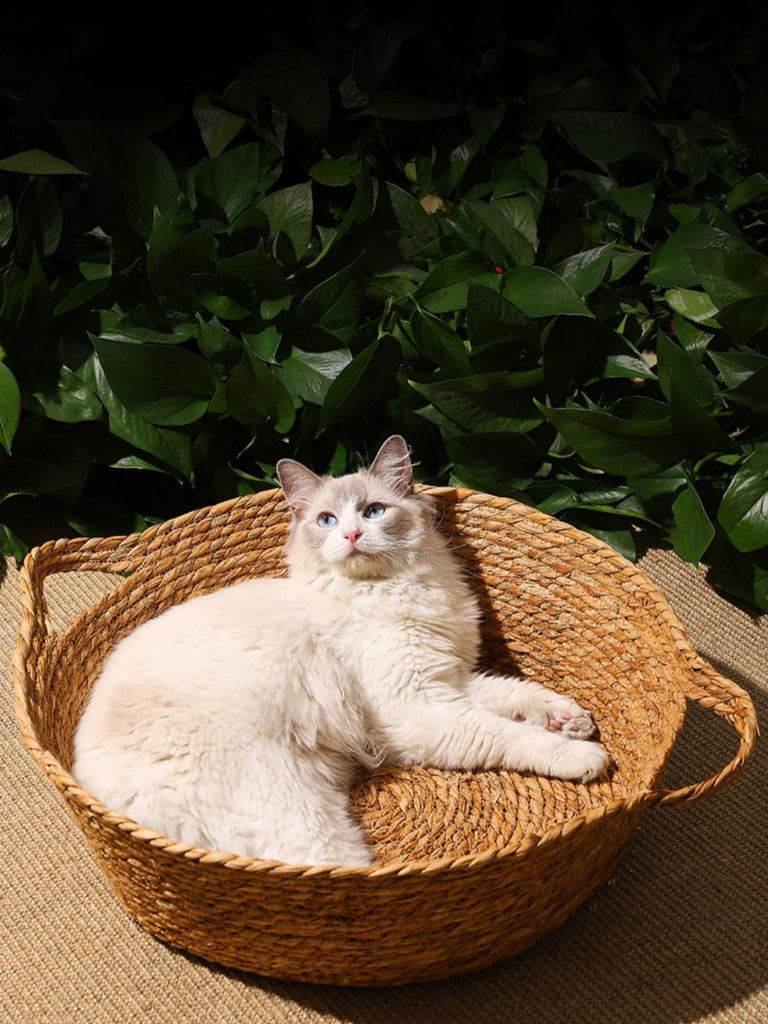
473 866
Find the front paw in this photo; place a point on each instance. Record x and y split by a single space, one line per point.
580 761
556 713
571 720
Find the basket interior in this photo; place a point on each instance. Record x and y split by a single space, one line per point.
558 606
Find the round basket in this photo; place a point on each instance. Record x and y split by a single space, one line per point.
473 866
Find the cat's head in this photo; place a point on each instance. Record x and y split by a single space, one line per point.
366 525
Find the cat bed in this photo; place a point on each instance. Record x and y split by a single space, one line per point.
473 866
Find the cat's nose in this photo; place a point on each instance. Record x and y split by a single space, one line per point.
352 536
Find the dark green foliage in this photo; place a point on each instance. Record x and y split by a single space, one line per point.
536 250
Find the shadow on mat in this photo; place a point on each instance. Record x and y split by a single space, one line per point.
678 933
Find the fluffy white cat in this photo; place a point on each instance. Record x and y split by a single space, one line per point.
236 721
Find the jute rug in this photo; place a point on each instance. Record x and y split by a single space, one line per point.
680 934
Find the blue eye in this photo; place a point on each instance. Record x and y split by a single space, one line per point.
374 511
326 520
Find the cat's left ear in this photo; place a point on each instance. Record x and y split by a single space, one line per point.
393 466
298 483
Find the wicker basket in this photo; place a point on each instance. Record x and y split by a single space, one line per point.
473 866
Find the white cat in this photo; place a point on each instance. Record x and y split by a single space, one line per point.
236 721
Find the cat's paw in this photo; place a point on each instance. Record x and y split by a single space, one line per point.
556 713
571 720
581 761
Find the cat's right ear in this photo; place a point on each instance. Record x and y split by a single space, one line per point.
298 483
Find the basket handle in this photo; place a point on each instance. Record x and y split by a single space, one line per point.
711 690
149 549
112 554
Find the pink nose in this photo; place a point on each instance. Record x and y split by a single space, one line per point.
352 536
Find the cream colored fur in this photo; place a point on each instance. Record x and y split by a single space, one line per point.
237 721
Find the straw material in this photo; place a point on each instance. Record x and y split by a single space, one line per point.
474 867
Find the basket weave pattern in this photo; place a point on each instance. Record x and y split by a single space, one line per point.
473 866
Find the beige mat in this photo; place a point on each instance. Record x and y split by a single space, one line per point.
679 935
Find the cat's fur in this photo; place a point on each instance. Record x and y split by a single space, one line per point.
236 721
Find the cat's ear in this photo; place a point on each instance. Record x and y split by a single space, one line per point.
298 483
393 466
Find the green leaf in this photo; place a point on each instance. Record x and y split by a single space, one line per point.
225 297
585 271
130 175
675 363
582 350
744 319
368 378
230 181
747 191
636 201
639 446
334 172
491 317
523 213
411 216
257 269
743 575
486 122
49 216
6 221
81 295
376 55
696 306
485 228
337 303
692 338
406 107
11 545
693 425
673 265
217 126
729 275
489 402
438 342
623 261
494 460
604 525
34 476
752 392
540 292
446 287
35 161
171 447
138 325
298 85
255 396
290 216
360 209
302 380
67 399
743 512
694 531
264 344
10 407
309 375
172 261
608 136
217 344
165 386
737 367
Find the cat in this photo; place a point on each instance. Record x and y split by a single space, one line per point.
238 720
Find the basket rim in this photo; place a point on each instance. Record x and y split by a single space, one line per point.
152 539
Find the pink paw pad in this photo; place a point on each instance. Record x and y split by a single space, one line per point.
556 721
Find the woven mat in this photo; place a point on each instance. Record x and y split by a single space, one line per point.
680 933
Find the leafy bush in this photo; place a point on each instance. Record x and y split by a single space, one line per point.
539 258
